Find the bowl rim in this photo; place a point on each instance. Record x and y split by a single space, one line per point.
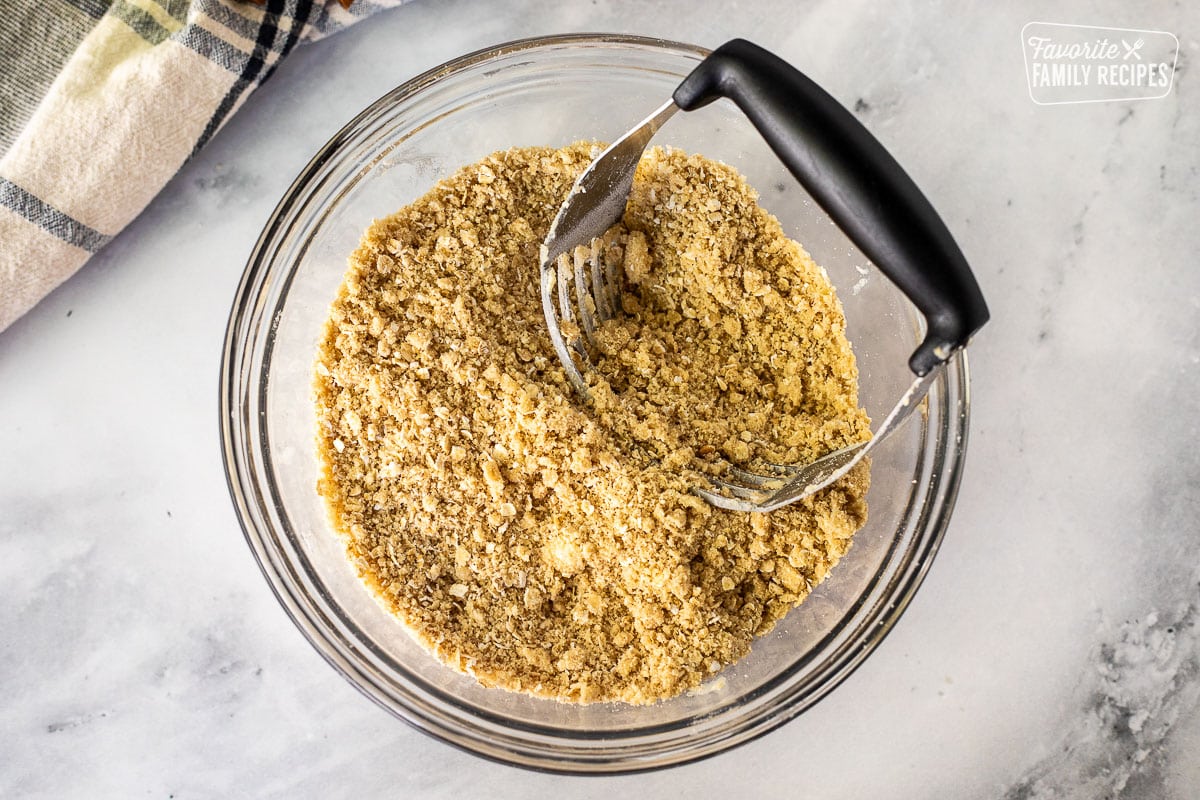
478 734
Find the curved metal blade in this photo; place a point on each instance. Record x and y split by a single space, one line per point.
811 478
597 200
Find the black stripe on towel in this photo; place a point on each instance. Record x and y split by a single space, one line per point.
253 73
49 218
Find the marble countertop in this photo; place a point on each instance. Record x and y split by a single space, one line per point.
1053 650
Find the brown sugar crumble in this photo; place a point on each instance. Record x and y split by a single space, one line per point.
549 545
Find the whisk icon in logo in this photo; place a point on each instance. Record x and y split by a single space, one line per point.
1087 64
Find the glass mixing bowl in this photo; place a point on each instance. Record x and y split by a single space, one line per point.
554 91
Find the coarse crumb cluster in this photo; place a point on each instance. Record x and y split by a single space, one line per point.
548 545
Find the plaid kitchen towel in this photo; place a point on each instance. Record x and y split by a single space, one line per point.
102 101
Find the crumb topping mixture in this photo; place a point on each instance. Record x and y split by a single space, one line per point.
548 545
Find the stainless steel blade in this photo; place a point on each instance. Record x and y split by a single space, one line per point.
597 200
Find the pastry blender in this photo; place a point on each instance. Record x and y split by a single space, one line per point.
846 170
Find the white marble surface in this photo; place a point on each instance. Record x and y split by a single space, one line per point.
1053 651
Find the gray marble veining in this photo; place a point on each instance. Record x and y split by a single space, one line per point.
1053 651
